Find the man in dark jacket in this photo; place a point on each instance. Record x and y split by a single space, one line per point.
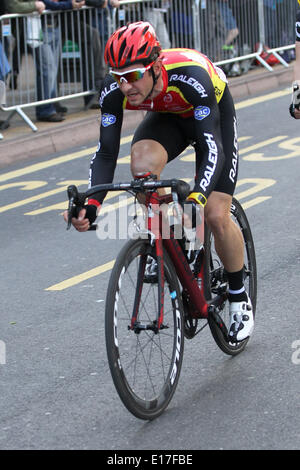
88 39
45 50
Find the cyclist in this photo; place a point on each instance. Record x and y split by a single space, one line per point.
294 107
188 102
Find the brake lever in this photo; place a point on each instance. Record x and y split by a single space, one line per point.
70 212
74 204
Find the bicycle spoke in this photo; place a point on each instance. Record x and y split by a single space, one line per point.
145 362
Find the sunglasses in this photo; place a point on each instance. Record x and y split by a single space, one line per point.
130 76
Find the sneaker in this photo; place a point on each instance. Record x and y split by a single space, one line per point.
241 320
56 117
150 275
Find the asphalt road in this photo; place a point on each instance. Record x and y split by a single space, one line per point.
55 387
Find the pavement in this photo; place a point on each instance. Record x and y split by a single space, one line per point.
81 127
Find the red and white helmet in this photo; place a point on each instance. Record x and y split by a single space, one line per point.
130 44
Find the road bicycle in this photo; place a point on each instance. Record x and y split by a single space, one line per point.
147 317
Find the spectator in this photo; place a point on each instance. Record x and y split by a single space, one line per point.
48 61
232 33
155 16
4 70
46 54
102 21
232 30
88 38
4 65
270 17
181 25
213 33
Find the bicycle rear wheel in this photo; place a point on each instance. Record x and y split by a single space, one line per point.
216 279
145 363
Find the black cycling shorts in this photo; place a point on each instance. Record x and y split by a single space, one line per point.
175 134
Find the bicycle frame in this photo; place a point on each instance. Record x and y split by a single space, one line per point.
157 225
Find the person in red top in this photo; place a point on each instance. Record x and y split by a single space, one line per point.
187 98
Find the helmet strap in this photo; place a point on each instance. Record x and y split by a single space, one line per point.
155 78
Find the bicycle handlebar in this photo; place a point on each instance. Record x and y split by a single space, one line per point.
77 199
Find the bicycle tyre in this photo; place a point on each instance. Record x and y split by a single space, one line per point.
215 275
122 343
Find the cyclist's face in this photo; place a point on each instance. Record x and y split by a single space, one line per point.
136 91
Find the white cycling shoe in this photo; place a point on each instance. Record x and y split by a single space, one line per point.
241 320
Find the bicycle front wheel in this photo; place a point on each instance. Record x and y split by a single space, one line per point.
144 363
216 279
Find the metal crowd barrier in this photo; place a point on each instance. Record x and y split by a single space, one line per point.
65 45
228 31
58 55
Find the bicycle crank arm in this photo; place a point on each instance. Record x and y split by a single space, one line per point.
212 312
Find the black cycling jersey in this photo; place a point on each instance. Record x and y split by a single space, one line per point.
195 106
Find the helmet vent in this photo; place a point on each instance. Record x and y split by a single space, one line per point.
121 51
142 49
145 30
112 53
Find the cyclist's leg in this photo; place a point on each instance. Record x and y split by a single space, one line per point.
229 245
148 155
152 147
228 239
216 280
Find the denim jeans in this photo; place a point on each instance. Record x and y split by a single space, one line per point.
46 59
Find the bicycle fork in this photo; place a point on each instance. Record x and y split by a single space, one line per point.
155 237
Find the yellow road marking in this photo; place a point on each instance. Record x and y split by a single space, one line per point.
289 144
72 281
72 156
263 143
54 161
24 185
262 99
255 201
190 157
258 185
64 204
38 197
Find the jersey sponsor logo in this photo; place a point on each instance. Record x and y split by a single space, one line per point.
190 81
212 158
233 170
201 112
108 119
218 92
168 98
106 91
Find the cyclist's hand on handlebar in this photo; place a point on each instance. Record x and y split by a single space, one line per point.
81 223
86 216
